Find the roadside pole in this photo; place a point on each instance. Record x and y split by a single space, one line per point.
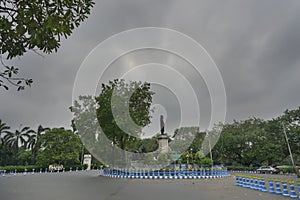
290 151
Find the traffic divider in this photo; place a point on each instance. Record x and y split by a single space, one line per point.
285 191
165 174
283 187
292 190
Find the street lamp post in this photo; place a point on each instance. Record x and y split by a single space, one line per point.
187 158
113 155
82 152
191 153
209 145
288 145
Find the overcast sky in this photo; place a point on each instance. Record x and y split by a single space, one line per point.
254 43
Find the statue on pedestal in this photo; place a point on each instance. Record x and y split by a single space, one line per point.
163 138
162 125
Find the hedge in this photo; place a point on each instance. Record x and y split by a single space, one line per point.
286 169
240 168
29 168
20 168
282 169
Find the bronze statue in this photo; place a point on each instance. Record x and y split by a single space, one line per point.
162 125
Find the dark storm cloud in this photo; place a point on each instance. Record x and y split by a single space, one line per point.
256 45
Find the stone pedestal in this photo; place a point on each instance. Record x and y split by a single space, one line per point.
87 160
163 144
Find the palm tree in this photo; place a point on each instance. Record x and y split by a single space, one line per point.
3 128
33 140
13 139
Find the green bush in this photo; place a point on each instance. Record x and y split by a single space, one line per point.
20 168
240 168
206 162
286 169
79 167
85 166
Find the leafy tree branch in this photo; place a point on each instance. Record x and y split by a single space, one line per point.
35 25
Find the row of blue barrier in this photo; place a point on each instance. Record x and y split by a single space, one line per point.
165 174
285 188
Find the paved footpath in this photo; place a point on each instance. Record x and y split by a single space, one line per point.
91 186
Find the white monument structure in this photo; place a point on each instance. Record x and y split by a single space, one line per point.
163 139
163 144
87 159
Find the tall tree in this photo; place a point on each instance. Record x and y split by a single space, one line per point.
35 25
240 142
4 129
33 139
272 147
185 138
16 139
85 122
5 154
290 120
123 110
116 98
59 146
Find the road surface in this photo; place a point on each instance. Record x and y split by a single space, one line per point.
91 186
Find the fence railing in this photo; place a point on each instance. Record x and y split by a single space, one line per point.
165 174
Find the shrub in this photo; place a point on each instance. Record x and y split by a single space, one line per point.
20 168
206 162
286 169
240 168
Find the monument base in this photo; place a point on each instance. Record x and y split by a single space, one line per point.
163 143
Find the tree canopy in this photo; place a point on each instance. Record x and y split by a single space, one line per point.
13 139
256 141
59 146
114 101
249 142
42 147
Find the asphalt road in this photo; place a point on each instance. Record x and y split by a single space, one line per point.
89 185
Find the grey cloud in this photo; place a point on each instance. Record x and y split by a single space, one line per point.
255 44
